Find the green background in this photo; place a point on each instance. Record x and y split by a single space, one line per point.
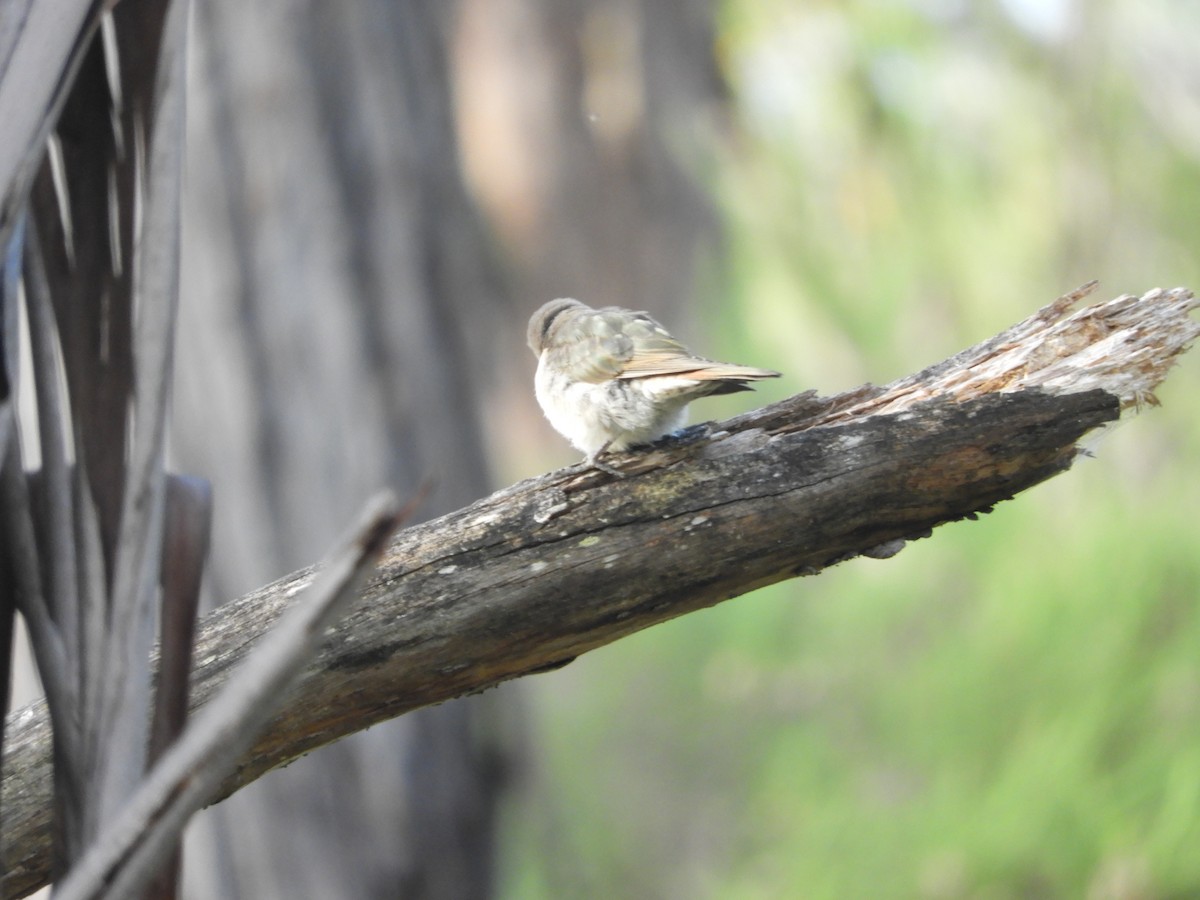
1012 707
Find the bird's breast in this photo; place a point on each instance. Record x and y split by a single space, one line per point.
623 412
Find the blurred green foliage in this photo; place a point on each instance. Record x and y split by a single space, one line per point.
1012 707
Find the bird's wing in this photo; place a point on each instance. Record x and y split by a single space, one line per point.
604 344
614 343
657 353
653 351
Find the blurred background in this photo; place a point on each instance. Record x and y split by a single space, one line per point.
380 193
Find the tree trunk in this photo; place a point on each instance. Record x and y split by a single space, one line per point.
334 269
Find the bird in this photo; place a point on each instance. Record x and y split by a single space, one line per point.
614 378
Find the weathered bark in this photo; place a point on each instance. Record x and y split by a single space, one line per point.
529 578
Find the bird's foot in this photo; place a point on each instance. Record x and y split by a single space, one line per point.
605 467
689 435
593 462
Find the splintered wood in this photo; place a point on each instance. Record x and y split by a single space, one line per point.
1125 347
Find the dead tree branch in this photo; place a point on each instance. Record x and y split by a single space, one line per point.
531 577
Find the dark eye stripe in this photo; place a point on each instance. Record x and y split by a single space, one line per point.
550 320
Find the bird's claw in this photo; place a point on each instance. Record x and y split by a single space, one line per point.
605 467
593 461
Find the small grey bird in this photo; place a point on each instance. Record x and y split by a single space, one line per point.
613 378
